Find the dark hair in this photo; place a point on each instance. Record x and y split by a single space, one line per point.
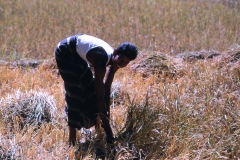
128 49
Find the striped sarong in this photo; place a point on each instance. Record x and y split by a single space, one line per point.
78 80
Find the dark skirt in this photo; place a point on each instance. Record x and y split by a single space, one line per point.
78 80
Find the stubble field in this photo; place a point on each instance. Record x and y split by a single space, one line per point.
178 100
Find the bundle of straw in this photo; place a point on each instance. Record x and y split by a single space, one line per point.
29 108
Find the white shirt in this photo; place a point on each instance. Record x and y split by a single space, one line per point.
86 43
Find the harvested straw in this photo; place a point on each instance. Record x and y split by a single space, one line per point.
6 154
140 138
33 107
156 63
7 149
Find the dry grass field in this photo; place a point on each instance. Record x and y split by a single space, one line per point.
180 99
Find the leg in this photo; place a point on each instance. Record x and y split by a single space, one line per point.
68 70
71 67
100 151
72 136
98 125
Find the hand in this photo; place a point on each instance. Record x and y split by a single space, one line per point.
110 148
108 130
110 140
114 69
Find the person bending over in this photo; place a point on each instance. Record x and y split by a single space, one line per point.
88 96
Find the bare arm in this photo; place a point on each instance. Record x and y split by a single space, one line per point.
108 82
98 59
100 92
